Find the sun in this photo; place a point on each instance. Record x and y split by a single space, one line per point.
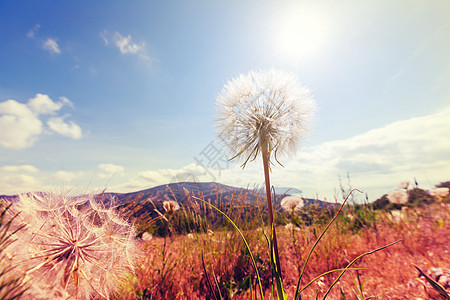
301 34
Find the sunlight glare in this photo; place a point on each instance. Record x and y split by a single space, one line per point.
301 34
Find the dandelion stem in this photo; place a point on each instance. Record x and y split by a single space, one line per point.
269 204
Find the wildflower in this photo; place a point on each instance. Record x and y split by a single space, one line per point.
190 236
171 206
292 203
398 197
72 247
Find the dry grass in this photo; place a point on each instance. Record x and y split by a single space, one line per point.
172 268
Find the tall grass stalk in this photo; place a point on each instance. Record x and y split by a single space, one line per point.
247 247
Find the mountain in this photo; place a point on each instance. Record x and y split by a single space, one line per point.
209 191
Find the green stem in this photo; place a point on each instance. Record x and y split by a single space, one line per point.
271 215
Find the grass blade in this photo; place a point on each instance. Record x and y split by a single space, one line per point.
297 291
207 278
243 238
434 284
329 272
353 261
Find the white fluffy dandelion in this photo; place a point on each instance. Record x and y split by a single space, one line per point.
263 111
72 247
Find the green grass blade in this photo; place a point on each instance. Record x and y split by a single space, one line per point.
352 262
328 272
434 284
244 240
343 294
297 291
207 278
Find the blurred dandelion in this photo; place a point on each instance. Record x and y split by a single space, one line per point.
147 237
265 112
398 197
171 206
72 247
292 203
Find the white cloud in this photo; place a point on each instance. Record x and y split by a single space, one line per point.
109 170
69 129
376 160
104 36
126 45
21 124
42 104
67 176
66 101
20 183
18 169
51 45
151 178
33 31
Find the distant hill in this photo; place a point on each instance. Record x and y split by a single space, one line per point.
210 191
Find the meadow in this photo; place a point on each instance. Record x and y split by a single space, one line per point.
192 251
212 262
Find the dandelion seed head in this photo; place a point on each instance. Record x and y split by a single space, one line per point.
263 110
171 206
292 203
70 247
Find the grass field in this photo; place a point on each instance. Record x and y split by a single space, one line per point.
173 267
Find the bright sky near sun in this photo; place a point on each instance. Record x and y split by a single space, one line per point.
121 94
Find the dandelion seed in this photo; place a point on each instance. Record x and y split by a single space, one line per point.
71 248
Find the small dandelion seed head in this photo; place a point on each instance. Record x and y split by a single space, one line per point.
290 203
171 206
263 110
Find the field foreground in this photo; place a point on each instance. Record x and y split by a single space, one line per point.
173 266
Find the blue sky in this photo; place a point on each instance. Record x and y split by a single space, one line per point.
122 96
